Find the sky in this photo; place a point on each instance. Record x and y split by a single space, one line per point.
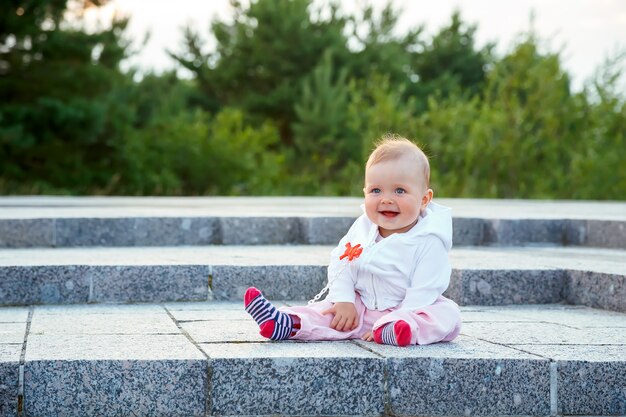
586 31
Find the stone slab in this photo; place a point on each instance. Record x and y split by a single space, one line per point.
94 324
202 306
595 289
100 374
325 230
12 332
138 231
78 310
99 206
542 334
606 233
48 284
149 283
591 380
92 347
277 282
295 379
465 377
510 286
13 315
260 230
213 315
25 233
9 378
480 276
197 221
223 331
581 317
468 231
116 387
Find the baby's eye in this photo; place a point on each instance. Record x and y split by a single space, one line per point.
375 190
400 190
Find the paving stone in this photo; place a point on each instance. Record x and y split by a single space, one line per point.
202 306
168 231
493 316
13 314
325 230
25 233
260 230
295 379
594 289
468 231
114 375
223 331
591 379
542 333
102 309
12 332
9 377
606 234
578 318
277 282
213 315
525 231
149 283
147 231
94 232
93 324
465 377
116 388
44 285
500 287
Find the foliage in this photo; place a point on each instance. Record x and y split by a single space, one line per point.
291 100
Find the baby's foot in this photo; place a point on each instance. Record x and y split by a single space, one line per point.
273 324
397 333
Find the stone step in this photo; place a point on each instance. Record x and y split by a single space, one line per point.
149 221
481 276
206 358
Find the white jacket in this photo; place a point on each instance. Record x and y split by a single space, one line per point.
405 270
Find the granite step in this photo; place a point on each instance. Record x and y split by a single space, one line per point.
206 358
150 221
481 276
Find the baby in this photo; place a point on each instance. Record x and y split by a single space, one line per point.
388 272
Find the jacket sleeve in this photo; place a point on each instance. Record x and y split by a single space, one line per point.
431 275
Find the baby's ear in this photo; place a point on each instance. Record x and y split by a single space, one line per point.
427 198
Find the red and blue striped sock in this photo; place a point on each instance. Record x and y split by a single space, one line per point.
273 324
397 333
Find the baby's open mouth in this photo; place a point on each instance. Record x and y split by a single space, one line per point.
389 213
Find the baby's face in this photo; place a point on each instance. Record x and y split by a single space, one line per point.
395 194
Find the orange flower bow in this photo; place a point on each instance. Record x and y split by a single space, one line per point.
351 252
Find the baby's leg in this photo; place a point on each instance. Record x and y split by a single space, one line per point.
316 326
272 323
438 322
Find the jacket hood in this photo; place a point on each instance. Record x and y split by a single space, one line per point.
435 220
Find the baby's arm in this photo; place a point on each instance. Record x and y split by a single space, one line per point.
341 290
431 275
429 280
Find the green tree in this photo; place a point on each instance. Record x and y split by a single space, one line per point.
55 80
262 57
450 63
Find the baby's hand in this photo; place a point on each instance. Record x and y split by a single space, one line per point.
368 337
346 318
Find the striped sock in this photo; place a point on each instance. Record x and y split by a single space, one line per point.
397 333
272 323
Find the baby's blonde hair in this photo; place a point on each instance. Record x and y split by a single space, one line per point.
391 147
